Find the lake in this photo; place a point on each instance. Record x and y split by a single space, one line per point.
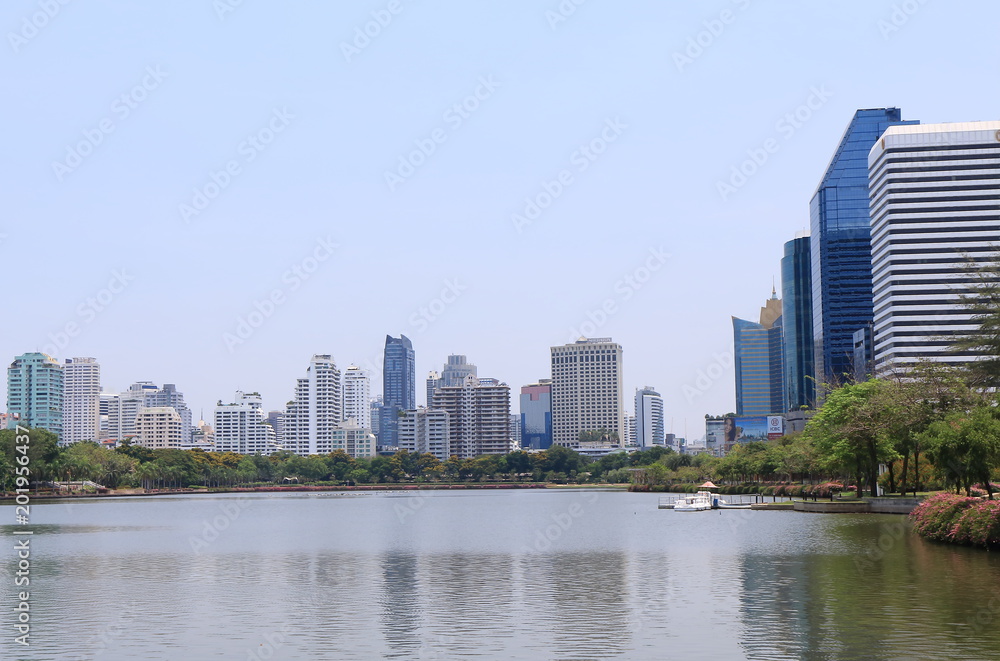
495 574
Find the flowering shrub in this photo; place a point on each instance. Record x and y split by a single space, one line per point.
827 489
959 520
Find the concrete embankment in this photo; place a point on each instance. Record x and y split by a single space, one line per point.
868 505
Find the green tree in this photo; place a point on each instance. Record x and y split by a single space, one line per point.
42 452
597 436
965 447
983 301
853 431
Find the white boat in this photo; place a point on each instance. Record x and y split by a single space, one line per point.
698 502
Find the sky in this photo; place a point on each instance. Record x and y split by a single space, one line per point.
209 192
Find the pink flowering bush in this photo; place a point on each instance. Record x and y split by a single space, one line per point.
959 520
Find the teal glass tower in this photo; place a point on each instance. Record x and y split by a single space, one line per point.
797 320
35 392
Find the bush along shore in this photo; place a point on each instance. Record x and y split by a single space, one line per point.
825 490
965 520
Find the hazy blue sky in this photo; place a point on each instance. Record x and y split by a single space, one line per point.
309 118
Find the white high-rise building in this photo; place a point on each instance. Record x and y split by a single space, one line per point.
630 438
357 396
649 428
312 417
81 400
433 383
586 389
478 415
242 427
934 206
159 427
123 409
426 431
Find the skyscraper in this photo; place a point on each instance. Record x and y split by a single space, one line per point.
456 369
81 400
357 397
123 408
433 383
757 352
649 429
841 253
398 386
586 389
241 427
35 392
798 353
478 415
168 395
158 428
426 431
316 410
536 415
935 203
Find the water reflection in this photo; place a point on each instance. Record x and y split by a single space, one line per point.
308 579
883 594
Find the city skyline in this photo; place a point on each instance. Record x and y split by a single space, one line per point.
654 232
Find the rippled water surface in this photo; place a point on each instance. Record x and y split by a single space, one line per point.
552 574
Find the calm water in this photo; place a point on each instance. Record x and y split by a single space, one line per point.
491 575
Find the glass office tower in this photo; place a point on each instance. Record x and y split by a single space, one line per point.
841 250
797 319
398 387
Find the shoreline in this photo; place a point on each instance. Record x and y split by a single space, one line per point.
129 493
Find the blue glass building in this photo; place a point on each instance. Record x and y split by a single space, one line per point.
757 349
399 387
841 245
536 415
797 319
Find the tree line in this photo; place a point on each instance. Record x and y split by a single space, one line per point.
130 465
